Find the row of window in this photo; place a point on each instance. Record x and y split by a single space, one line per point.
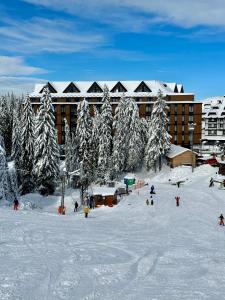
215 132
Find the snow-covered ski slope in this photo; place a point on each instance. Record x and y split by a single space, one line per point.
131 251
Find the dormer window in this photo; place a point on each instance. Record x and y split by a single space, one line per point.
143 88
118 88
71 88
50 87
95 88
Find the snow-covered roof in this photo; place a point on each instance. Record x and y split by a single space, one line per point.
130 86
129 176
104 191
213 107
176 150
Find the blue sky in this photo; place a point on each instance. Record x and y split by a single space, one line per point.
182 41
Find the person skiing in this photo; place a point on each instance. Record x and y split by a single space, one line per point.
15 204
152 190
177 200
152 202
86 211
147 202
221 217
76 206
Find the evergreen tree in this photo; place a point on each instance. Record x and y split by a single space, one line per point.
5 124
4 186
134 140
83 135
46 168
68 148
27 148
119 154
95 141
16 144
105 137
158 137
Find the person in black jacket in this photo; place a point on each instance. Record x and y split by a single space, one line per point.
221 217
76 206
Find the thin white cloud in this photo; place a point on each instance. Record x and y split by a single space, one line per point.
184 13
45 35
15 66
18 85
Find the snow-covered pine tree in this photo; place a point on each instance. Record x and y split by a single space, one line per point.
46 167
95 141
5 124
134 137
119 153
83 136
68 148
27 148
158 137
105 138
3 172
16 144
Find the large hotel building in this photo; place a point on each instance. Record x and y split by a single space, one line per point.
183 110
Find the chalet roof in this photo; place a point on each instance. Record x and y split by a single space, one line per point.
104 191
84 86
176 150
213 107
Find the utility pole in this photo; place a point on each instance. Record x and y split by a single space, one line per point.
63 177
191 128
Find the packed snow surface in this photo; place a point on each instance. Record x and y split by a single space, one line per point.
130 251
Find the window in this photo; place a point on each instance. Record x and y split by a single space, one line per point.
118 88
175 108
73 109
182 138
71 88
182 127
175 118
212 132
183 108
63 109
95 88
63 126
221 125
68 99
143 88
175 128
191 108
190 118
182 118
148 108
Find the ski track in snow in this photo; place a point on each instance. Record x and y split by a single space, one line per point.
131 251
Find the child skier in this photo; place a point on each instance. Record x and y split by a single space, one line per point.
221 222
147 202
86 211
177 200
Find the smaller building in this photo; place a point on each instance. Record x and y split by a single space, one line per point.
213 121
178 156
105 196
